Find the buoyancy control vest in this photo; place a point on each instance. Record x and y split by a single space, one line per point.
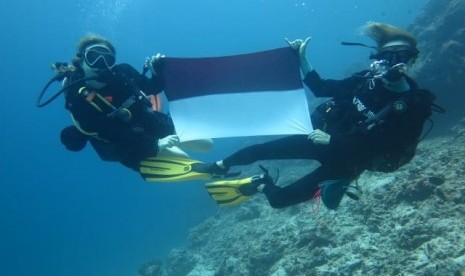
336 113
120 102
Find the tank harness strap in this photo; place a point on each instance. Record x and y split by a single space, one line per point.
316 201
103 105
97 101
123 111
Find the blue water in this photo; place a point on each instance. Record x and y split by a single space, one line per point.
71 214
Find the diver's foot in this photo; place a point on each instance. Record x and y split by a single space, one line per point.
257 184
216 169
249 189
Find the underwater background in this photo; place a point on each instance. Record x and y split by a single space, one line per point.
72 214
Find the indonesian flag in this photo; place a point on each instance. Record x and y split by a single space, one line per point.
244 95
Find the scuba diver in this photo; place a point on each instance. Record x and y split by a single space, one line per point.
373 121
117 109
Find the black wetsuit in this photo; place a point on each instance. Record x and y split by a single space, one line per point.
119 139
355 139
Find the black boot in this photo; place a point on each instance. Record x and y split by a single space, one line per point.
257 180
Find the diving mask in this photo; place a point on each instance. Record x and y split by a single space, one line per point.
396 54
99 57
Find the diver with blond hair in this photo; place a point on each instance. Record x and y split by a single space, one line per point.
373 121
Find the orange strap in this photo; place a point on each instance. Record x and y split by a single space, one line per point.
90 96
156 102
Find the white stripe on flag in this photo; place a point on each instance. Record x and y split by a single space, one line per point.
242 114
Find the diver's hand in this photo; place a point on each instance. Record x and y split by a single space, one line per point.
151 62
168 142
294 44
319 137
301 46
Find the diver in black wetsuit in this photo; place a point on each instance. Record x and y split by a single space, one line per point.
112 107
373 121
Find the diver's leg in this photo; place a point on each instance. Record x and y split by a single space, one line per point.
290 147
302 190
333 182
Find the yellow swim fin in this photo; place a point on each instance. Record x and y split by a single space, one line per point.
170 169
233 192
228 193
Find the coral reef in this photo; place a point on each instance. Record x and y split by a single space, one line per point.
440 31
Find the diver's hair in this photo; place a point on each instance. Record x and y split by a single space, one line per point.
383 33
87 41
